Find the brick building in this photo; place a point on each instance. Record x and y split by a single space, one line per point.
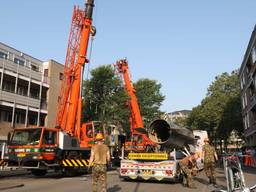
247 77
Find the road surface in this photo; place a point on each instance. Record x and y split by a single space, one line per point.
55 183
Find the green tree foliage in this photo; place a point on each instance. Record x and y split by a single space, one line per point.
149 98
220 111
104 97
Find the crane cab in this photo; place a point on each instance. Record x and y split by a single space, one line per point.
28 147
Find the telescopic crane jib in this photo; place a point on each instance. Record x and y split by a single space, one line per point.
69 110
140 140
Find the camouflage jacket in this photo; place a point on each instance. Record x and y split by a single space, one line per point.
209 153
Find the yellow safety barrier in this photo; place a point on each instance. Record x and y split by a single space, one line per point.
148 156
75 163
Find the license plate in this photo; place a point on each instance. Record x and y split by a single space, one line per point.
21 155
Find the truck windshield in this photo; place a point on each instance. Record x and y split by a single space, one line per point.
26 137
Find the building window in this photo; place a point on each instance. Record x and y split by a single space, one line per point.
3 55
245 99
248 120
61 76
245 124
34 93
8 86
35 68
50 137
6 116
243 105
241 85
22 90
46 72
32 120
253 55
253 112
20 118
19 61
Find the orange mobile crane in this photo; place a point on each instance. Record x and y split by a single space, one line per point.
139 140
67 146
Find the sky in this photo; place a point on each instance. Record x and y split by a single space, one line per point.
181 44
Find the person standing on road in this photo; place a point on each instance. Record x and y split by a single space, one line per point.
209 157
187 164
100 156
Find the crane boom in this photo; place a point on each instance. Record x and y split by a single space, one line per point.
69 110
136 119
140 141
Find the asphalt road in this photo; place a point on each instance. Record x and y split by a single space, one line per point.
55 183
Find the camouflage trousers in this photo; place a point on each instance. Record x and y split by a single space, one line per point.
187 179
209 169
99 176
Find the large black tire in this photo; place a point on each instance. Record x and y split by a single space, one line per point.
39 172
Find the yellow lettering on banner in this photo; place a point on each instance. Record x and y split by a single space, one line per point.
155 156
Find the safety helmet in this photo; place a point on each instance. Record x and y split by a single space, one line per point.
206 139
99 136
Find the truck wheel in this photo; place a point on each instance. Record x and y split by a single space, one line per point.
39 172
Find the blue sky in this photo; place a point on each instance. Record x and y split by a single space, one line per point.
182 44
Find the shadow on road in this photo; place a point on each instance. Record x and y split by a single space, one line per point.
115 188
221 178
137 187
149 181
200 180
217 187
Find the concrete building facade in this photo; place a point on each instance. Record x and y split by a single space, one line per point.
247 77
25 90
54 73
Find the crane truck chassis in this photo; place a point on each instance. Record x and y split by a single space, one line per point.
65 147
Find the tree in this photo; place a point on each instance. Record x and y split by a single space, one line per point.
104 97
220 111
149 99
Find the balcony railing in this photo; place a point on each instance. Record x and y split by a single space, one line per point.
23 70
19 99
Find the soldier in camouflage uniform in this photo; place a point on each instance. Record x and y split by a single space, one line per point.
100 156
186 165
209 156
